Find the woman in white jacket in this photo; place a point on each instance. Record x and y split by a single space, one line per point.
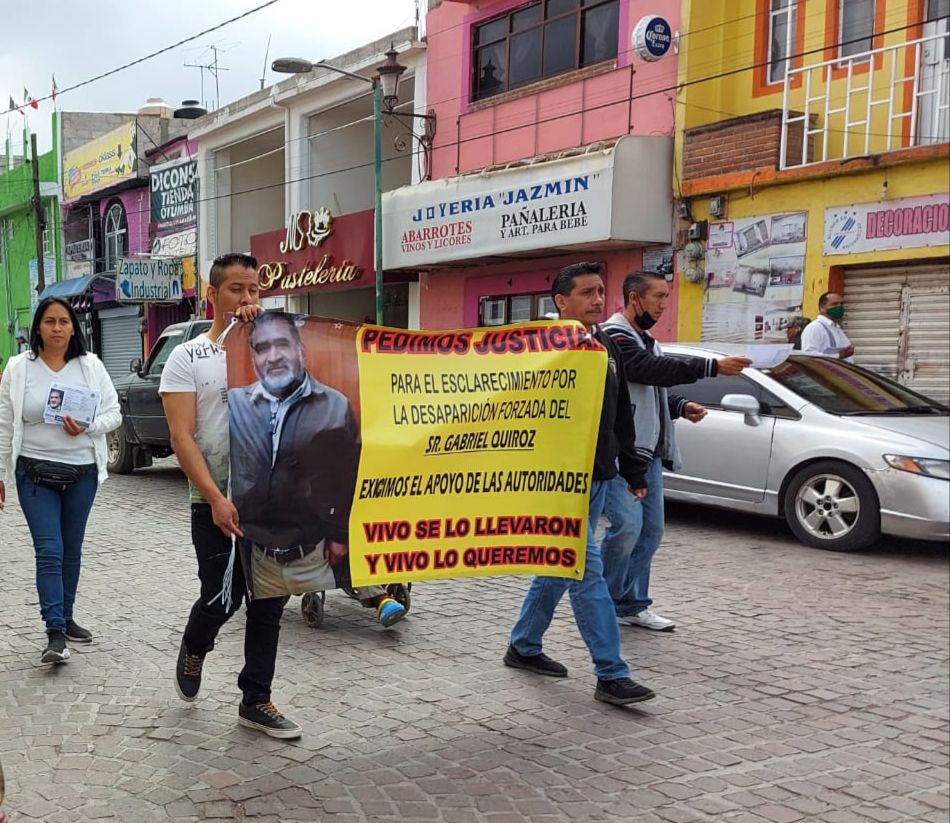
58 466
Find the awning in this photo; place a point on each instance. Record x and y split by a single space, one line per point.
69 288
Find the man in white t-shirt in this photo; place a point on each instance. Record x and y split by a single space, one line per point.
824 335
194 391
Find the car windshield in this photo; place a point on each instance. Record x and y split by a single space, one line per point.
841 388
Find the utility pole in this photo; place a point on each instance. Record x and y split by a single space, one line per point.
39 215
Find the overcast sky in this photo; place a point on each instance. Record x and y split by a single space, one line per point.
76 41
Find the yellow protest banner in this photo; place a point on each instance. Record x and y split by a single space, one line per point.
477 450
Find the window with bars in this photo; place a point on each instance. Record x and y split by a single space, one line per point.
115 233
515 308
540 40
782 22
855 26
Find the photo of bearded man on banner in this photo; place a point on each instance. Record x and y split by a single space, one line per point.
295 450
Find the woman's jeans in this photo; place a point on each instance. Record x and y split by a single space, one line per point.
57 522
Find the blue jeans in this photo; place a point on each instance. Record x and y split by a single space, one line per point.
590 602
57 522
631 540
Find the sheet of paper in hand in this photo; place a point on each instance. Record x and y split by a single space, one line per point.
76 402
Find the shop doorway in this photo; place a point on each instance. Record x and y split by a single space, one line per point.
899 322
121 335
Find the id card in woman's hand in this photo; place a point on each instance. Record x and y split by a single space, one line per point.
76 402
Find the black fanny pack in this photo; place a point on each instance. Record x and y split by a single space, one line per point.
53 475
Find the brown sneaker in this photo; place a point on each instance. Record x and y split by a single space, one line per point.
188 674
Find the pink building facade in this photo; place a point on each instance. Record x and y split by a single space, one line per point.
553 145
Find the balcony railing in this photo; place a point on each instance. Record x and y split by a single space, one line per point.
889 98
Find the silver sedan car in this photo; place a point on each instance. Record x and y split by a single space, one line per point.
842 453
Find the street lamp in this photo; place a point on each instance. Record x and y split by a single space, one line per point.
385 98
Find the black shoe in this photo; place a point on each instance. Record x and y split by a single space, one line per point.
188 674
77 633
537 663
55 651
622 691
265 717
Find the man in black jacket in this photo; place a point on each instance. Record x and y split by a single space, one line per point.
578 293
636 528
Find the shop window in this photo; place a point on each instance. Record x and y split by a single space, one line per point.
782 20
492 311
515 308
520 308
541 40
855 27
115 235
545 308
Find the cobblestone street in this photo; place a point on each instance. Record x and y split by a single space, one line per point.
799 685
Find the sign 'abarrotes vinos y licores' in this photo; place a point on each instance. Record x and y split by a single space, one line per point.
571 201
148 280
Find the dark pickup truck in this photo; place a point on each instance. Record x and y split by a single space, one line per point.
144 430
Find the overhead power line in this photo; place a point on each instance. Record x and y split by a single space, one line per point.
146 57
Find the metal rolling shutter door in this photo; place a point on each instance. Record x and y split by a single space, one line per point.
926 364
873 301
121 339
899 321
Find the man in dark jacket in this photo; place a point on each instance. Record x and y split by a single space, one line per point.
295 451
636 528
578 293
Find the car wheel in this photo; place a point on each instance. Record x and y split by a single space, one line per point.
119 451
832 505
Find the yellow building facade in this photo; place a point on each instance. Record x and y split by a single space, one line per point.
813 155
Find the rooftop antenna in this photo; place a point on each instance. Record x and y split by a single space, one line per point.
212 68
264 69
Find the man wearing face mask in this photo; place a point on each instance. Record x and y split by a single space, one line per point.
636 527
824 335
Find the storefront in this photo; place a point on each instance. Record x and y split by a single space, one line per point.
302 151
109 219
771 258
322 264
488 244
898 316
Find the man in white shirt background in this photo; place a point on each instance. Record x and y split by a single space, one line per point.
824 335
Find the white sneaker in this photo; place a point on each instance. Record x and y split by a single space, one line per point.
649 619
